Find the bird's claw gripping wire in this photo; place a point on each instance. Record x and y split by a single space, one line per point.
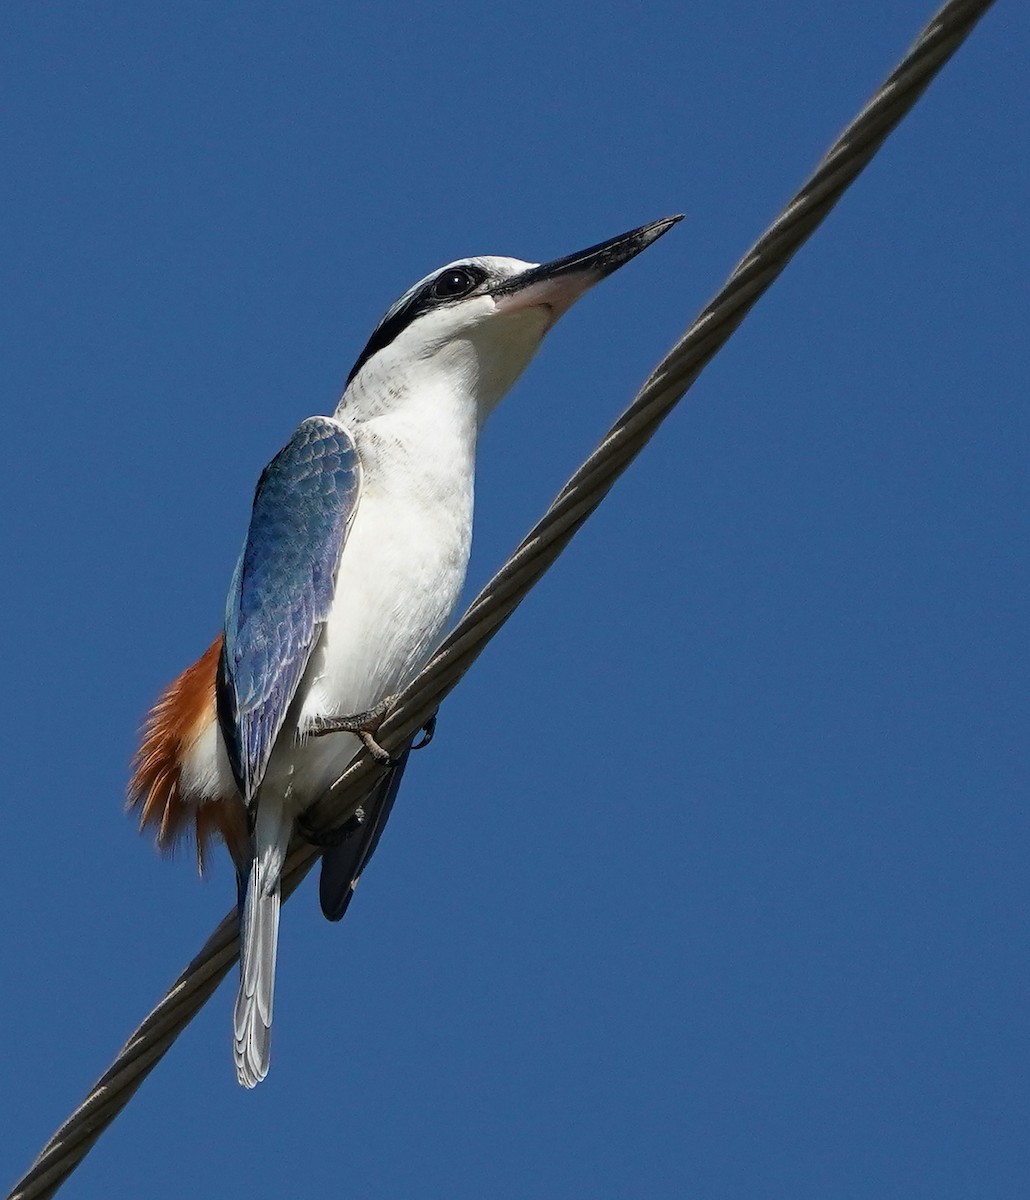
365 725
329 840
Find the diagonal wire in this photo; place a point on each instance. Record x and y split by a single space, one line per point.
581 495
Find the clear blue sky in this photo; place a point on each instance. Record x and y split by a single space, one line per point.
714 883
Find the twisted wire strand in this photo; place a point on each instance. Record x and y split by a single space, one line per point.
755 273
667 384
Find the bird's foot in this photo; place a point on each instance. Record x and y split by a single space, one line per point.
365 725
329 840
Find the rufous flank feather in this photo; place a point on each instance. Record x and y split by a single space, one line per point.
170 731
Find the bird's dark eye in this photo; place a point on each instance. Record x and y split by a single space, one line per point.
454 282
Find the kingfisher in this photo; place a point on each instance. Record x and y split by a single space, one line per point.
353 562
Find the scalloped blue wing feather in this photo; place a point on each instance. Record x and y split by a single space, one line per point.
282 589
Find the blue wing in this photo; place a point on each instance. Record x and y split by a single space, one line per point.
282 590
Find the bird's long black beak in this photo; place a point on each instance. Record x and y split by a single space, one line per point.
559 283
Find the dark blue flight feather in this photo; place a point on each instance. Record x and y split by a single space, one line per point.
282 589
342 865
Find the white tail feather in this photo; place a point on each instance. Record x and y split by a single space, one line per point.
259 939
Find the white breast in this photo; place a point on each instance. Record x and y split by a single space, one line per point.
399 578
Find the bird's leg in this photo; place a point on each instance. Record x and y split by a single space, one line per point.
323 725
365 725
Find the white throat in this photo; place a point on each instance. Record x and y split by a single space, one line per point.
432 364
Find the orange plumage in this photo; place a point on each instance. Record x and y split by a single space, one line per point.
170 731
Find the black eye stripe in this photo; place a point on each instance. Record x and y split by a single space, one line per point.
421 300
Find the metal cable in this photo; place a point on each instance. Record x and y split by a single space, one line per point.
581 495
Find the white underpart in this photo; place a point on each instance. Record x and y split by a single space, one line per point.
403 567
204 771
414 412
